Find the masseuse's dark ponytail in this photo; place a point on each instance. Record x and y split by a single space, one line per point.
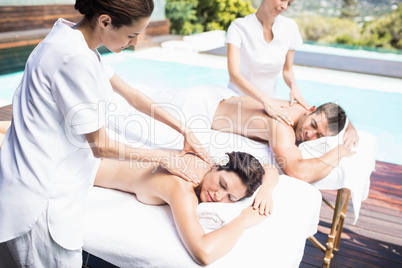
122 12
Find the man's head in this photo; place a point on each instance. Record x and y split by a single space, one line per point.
326 120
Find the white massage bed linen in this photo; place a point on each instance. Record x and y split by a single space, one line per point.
136 128
147 237
123 231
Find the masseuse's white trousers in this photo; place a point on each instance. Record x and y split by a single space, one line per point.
38 249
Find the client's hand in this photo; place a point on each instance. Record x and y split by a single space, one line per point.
345 151
176 165
192 144
350 138
263 200
277 112
251 217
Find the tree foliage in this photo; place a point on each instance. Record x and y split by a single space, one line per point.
384 32
348 9
194 16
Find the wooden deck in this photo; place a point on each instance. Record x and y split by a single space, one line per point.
375 240
5 113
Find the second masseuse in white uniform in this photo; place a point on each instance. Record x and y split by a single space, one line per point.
259 47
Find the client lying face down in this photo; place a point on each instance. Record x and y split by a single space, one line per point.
238 177
235 178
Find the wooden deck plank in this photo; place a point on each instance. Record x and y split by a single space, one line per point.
5 113
376 239
336 262
363 249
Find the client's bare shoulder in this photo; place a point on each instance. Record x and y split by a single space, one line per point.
160 187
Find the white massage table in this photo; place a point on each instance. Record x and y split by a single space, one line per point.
123 231
126 233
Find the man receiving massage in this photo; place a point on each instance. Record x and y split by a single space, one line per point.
221 109
247 117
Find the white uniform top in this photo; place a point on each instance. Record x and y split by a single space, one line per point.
260 63
45 161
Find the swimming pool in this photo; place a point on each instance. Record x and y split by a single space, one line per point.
377 112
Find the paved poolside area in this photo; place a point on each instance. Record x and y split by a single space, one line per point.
357 61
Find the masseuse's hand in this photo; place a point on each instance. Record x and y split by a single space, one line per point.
263 200
192 144
277 112
177 165
295 95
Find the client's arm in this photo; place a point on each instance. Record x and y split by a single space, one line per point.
350 138
205 248
263 199
290 159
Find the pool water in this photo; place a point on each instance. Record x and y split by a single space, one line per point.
374 111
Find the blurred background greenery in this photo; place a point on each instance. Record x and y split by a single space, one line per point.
358 23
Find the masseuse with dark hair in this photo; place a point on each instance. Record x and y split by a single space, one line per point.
48 159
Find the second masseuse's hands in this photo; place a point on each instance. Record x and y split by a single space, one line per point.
295 95
275 111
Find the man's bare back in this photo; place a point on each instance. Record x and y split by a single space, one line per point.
247 117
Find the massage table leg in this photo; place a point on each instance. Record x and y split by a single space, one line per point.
334 237
345 200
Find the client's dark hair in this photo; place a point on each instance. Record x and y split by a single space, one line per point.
247 167
335 114
122 12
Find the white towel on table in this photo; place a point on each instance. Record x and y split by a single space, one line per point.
213 216
352 172
123 231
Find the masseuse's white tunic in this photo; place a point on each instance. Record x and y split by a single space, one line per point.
260 63
45 161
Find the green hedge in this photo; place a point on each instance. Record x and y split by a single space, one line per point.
196 16
384 32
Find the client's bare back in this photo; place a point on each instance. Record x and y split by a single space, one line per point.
145 179
247 117
239 115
